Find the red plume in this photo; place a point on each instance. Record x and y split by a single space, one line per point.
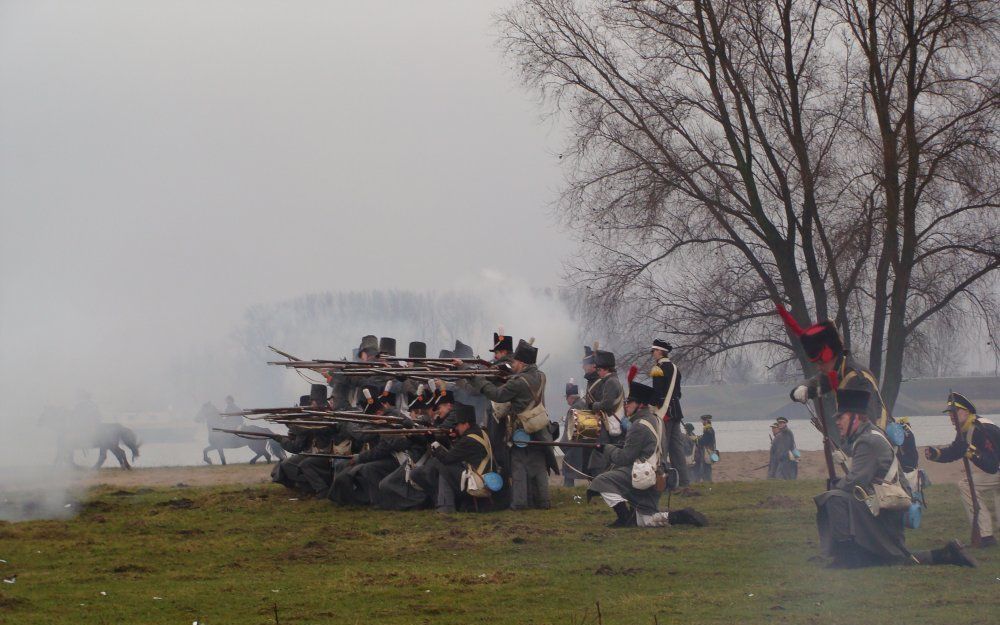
790 322
834 380
632 372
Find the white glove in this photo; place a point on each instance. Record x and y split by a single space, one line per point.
801 394
435 445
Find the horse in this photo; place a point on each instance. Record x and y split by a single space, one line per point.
106 437
224 440
83 431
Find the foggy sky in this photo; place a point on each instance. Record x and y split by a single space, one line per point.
165 165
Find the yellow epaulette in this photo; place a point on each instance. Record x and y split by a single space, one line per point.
656 372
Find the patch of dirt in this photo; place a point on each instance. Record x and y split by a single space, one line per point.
194 531
13 602
121 493
778 502
607 569
130 568
182 503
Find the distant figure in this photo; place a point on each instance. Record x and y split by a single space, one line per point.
689 444
784 464
209 415
704 448
72 435
231 406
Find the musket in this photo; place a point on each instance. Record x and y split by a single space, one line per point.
406 431
356 415
281 353
253 411
331 456
315 423
558 444
442 361
953 413
246 434
326 364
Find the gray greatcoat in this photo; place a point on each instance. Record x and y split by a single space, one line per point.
781 465
640 444
848 531
528 466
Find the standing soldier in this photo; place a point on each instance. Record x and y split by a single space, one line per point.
525 393
605 397
837 369
667 384
784 465
978 440
703 450
575 458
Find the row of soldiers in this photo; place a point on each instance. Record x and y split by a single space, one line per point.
437 453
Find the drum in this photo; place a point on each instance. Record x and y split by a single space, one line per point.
586 424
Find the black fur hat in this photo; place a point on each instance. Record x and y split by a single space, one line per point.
604 360
822 342
526 353
462 350
662 345
572 388
641 393
852 400
464 413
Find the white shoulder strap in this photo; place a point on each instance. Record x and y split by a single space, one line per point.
656 433
662 410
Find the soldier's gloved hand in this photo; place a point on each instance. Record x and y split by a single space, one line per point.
800 394
839 457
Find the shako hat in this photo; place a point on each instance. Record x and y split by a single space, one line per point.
387 346
462 350
960 401
418 349
502 342
852 400
588 355
781 420
706 418
604 360
526 352
388 395
445 353
572 388
304 400
368 396
317 392
639 392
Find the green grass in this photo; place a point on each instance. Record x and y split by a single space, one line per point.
227 555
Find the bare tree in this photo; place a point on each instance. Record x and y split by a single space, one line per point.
728 154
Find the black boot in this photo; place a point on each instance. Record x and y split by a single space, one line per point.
688 516
952 553
626 516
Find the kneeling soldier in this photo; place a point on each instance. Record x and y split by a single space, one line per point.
444 471
642 443
851 532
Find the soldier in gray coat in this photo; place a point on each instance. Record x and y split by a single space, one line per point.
523 390
604 395
848 530
642 442
783 464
